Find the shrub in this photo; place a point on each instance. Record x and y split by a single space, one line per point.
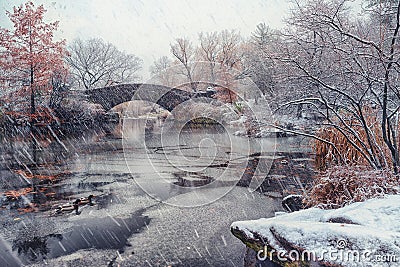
75 112
342 185
369 141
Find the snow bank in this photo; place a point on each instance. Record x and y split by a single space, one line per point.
381 214
361 234
191 110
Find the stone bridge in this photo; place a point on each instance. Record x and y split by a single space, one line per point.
166 97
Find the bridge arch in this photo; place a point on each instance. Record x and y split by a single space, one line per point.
166 97
111 96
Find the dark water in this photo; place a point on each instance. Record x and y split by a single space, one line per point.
102 233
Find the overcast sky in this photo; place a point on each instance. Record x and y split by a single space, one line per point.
146 28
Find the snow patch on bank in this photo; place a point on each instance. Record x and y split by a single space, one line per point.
372 226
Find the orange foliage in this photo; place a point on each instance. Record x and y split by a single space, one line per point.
351 178
30 208
225 92
42 116
225 95
17 193
39 176
29 54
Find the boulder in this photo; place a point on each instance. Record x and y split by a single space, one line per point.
292 203
360 234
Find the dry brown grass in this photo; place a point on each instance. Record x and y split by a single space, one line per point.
346 176
342 185
327 156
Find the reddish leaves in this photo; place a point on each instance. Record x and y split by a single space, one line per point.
29 55
13 194
43 116
226 92
41 177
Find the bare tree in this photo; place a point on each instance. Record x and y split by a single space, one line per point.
209 50
61 89
229 55
351 70
95 63
184 52
255 58
162 71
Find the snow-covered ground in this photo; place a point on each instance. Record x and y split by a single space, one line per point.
360 234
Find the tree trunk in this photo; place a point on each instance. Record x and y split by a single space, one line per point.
299 111
33 109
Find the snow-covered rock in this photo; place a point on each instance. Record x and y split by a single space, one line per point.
240 133
239 122
191 111
361 234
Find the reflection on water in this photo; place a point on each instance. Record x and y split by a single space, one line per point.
134 128
107 233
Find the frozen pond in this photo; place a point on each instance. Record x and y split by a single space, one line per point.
162 197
